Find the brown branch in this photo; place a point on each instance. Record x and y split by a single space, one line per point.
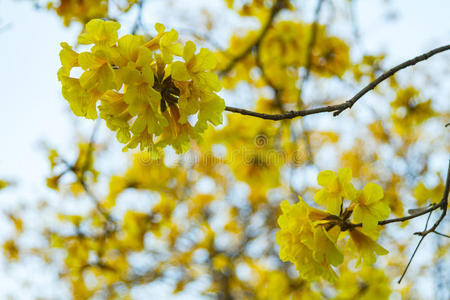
443 204
280 4
339 108
403 219
287 115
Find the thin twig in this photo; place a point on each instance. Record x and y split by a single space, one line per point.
403 219
339 108
415 251
443 204
441 234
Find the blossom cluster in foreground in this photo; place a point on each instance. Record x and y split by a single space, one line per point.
152 93
313 239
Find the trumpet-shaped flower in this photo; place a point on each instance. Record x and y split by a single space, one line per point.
102 34
369 207
305 243
335 189
144 96
366 247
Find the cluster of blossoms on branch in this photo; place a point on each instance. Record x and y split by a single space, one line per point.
149 91
312 239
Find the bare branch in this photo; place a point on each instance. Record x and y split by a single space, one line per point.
403 219
339 108
415 251
443 204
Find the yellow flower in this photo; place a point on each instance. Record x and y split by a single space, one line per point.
135 225
114 110
281 53
82 103
220 262
199 95
98 73
196 68
53 182
409 111
335 189
278 285
424 194
367 248
10 250
330 56
53 158
102 34
79 10
69 59
166 43
140 98
325 249
367 284
311 248
3 184
369 207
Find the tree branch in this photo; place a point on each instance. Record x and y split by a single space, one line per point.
415 251
442 205
441 234
339 108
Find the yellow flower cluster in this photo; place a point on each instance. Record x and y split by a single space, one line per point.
409 111
311 248
277 285
366 284
308 236
147 97
287 46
